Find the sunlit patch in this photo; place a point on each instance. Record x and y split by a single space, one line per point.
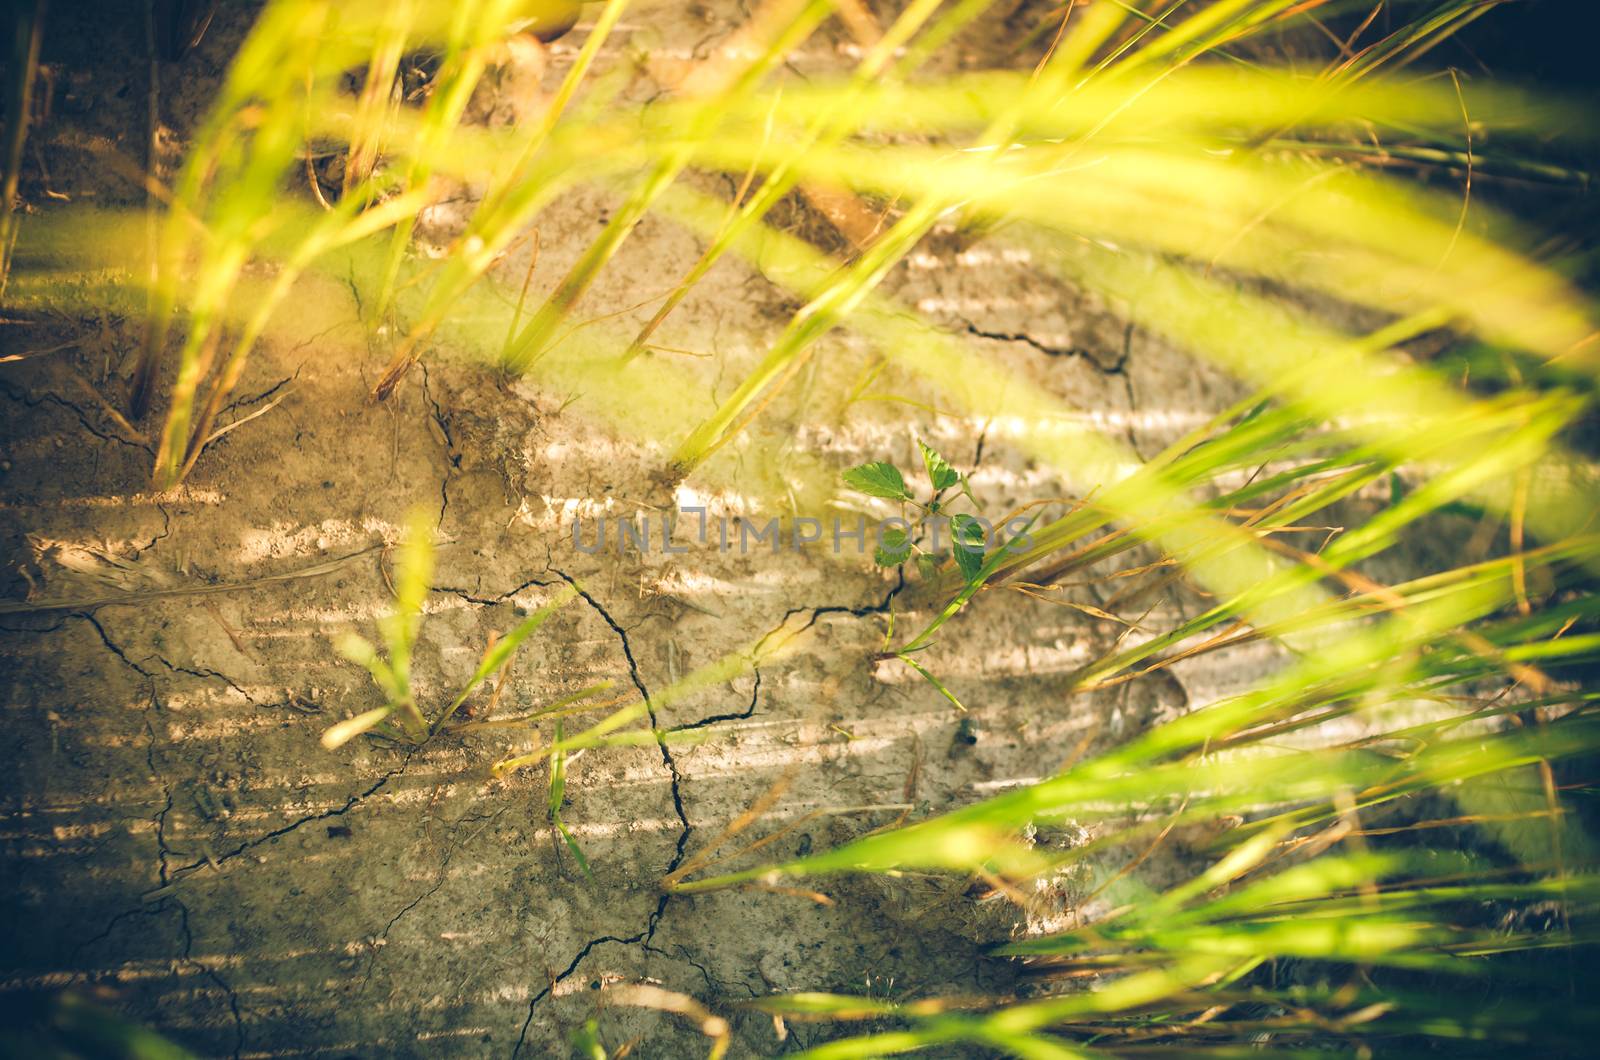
184 494
964 306
284 539
972 257
295 618
575 984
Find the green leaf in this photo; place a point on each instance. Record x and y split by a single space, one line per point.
359 650
558 795
572 845
356 648
413 571
893 548
878 479
558 776
969 542
932 680
927 566
940 473
971 564
497 656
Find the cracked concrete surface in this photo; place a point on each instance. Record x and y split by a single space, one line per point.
178 844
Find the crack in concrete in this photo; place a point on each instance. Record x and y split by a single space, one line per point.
212 974
250 844
22 398
882 607
203 673
244 402
111 645
382 938
160 823
164 853
654 919
444 867
715 984
111 925
165 876
168 876
644 693
487 601
1115 368
452 458
21 630
166 532
632 940
735 716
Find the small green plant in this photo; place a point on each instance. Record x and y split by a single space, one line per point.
399 629
920 538
896 545
558 797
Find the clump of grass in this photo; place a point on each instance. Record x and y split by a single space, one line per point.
1164 152
558 796
1337 906
1332 913
399 628
975 546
